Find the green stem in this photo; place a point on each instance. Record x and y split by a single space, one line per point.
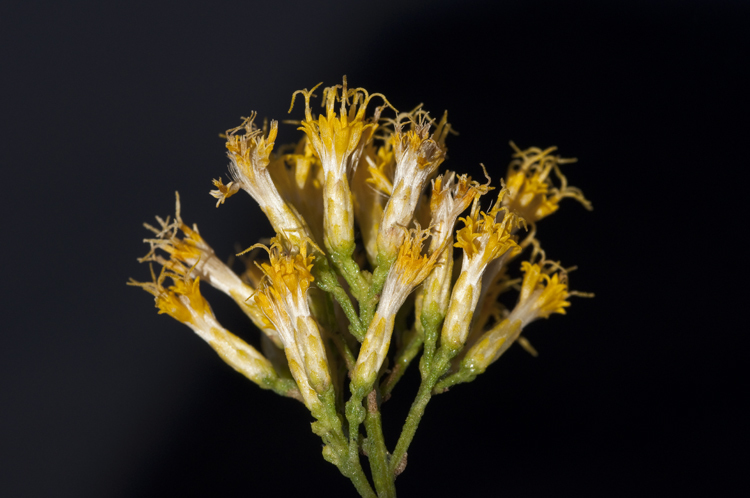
431 320
355 415
328 282
376 450
282 386
353 470
359 479
351 272
367 307
403 360
463 375
328 427
324 312
439 367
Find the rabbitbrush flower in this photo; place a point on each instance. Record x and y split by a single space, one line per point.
363 220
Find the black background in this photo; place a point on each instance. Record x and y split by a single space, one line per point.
107 110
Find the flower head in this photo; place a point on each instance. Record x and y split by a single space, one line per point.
417 150
283 299
338 141
483 238
183 301
451 195
190 256
288 279
531 193
250 154
544 290
410 268
417 154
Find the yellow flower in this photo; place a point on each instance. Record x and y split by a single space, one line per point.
190 255
224 192
483 240
251 149
417 153
189 248
407 272
283 299
544 291
338 141
451 195
417 149
288 276
531 192
184 302
410 268
250 154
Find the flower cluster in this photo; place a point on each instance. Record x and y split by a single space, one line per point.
350 263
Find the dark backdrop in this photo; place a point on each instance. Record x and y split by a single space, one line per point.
107 110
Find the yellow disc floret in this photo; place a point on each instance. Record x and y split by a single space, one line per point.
338 140
288 276
250 154
486 238
283 299
182 300
417 153
531 192
544 291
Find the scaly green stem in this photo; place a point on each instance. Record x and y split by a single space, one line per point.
355 415
359 479
328 426
328 282
431 321
352 273
368 305
463 375
440 366
323 310
352 470
376 450
403 360
282 386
